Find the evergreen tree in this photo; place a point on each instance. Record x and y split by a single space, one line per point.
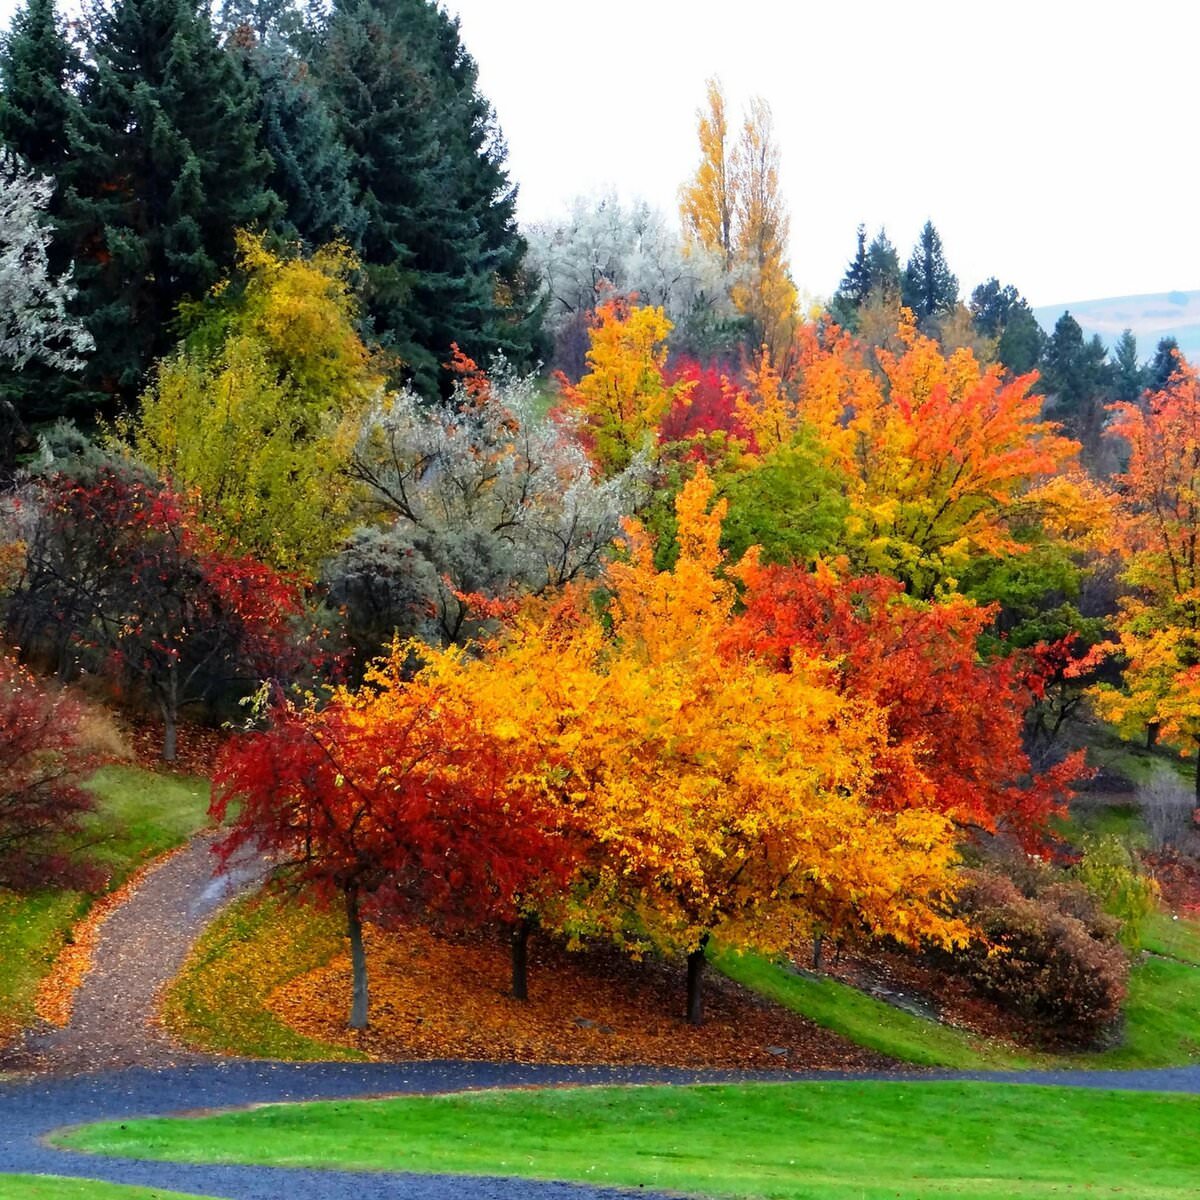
1163 365
883 265
928 287
874 270
1075 376
38 66
1001 312
853 289
1128 376
443 255
166 167
311 167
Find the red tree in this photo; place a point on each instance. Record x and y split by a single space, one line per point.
709 407
955 724
121 578
41 802
404 799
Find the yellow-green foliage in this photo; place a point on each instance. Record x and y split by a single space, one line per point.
1112 874
256 414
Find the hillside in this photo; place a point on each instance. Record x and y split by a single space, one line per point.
1151 317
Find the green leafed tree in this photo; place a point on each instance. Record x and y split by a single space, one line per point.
166 165
258 411
1002 313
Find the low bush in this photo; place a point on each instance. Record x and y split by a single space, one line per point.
1052 959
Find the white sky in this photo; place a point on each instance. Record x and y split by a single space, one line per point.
1053 144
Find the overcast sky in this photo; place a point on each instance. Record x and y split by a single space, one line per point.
1053 144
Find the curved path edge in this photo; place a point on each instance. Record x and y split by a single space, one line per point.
32 1107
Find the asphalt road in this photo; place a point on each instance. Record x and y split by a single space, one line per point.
34 1105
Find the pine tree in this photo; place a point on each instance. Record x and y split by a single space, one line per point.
1075 376
1163 365
855 285
883 265
1128 375
443 255
38 66
311 168
928 287
1001 312
167 168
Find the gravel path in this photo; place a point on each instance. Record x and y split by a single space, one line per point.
32 1106
142 945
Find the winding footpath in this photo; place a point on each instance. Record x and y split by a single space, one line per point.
113 1062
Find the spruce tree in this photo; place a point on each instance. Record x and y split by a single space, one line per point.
883 265
1163 365
167 166
1076 377
1001 312
1128 375
928 287
443 254
38 67
855 285
311 168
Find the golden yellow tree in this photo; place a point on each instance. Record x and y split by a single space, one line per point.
707 202
623 397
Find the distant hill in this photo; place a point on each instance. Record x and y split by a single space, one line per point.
1159 315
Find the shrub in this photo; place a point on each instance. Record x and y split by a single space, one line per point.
1051 960
1112 874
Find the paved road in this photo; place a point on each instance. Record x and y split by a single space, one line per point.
142 945
31 1106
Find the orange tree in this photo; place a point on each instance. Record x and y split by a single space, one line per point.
942 460
1157 526
718 796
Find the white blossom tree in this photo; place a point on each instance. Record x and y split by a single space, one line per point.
601 247
484 497
34 322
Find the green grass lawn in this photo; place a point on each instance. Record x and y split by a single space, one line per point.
140 814
1162 1014
819 1141
218 1001
53 1187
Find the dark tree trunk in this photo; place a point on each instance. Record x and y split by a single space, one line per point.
1151 734
1198 772
170 711
695 979
520 958
358 961
818 946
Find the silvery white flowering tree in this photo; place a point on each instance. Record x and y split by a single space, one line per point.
601 247
34 322
484 497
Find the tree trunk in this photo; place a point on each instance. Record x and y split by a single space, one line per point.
1151 734
695 976
170 712
358 962
520 958
818 945
1198 772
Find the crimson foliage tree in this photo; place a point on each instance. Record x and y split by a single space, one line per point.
122 580
41 802
403 799
954 722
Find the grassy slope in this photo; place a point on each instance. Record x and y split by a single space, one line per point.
140 815
1160 1014
218 1000
832 1141
52 1187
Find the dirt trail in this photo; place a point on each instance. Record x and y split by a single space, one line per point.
141 947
